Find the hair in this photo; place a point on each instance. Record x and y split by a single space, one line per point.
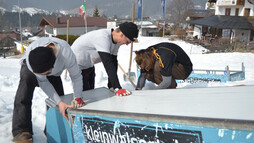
118 30
145 59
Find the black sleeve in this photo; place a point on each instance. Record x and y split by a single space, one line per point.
110 64
141 81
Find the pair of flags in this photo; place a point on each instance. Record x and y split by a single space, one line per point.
140 5
82 10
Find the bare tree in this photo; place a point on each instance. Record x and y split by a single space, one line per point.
178 10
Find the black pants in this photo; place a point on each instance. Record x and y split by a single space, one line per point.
22 113
88 78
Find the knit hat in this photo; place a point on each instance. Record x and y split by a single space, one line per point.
130 30
42 59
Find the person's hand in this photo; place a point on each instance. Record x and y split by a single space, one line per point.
77 103
62 107
123 92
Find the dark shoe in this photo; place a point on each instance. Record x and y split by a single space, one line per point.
24 137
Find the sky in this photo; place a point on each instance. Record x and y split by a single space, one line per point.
9 80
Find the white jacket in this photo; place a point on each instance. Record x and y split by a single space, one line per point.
87 46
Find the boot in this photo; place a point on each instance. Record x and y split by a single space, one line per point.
24 137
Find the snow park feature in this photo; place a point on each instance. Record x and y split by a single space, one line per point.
183 115
217 75
211 75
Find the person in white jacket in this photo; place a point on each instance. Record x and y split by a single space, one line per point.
45 60
102 46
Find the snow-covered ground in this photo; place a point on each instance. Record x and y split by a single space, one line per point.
9 80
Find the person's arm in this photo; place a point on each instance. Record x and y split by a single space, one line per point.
166 82
50 91
141 81
63 107
76 77
74 71
48 88
110 65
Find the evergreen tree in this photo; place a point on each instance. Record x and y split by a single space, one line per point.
96 12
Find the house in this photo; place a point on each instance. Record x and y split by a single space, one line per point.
58 25
11 34
198 14
147 28
210 4
232 19
7 46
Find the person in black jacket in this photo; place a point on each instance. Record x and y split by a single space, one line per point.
162 64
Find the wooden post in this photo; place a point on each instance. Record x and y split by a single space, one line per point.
67 32
67 40
133 13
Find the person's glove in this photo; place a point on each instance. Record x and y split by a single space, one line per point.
77 103
122 92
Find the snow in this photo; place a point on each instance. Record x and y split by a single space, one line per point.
29 10
2 10
9 80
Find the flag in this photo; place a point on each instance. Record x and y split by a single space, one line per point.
140 3
163 9
82 10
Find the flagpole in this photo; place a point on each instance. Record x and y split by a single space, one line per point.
82 11
164 18
85 18
142 18
140 14
86 24
20 31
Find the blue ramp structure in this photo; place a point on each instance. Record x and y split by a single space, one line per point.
194 115
217 75
57 128
209 75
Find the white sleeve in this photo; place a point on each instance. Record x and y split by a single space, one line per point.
74 71
48 88
166 81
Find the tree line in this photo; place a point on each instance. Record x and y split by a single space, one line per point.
10 20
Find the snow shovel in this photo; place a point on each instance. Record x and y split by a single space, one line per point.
131 75
126 75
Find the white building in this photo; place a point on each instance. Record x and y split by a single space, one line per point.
58 25
147 28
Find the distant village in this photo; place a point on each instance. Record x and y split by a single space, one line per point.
223 26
